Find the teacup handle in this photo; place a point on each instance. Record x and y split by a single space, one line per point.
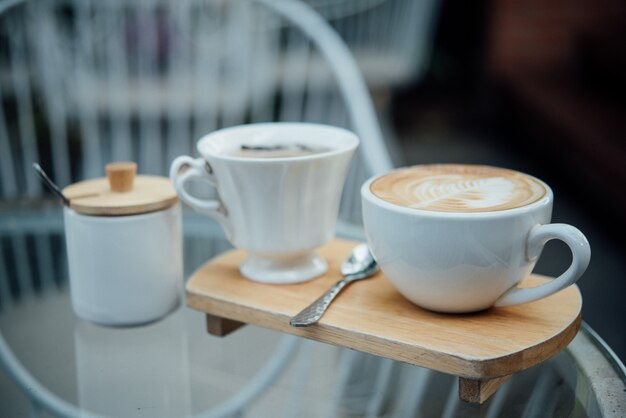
537 238
197 169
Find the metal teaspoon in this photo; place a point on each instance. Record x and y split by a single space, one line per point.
358 266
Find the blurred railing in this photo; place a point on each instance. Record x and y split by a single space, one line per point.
86 82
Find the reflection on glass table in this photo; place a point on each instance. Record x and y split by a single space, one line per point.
174 368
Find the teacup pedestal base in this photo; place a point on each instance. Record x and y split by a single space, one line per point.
283 268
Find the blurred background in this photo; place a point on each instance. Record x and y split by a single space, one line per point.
536 86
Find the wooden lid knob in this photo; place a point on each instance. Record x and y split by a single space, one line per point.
121 176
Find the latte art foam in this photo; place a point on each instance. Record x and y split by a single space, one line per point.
458 188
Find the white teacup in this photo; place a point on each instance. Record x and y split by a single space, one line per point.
459 238
279 208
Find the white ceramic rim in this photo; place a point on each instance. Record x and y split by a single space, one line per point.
367 194
345 141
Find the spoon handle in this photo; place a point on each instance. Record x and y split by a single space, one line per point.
53 187
312 313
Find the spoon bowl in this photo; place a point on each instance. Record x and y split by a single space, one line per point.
360 260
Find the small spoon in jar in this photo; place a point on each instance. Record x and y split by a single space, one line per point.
53 187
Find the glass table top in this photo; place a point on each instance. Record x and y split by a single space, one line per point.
174 368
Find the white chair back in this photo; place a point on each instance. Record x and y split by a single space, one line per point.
86 82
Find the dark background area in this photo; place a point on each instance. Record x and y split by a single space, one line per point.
540 87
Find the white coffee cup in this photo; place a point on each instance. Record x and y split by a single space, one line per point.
467 261
278 209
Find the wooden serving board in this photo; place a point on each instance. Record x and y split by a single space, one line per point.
482 348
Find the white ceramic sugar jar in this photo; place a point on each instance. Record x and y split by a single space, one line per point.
124 247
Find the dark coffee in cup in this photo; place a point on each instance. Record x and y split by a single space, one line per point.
276 151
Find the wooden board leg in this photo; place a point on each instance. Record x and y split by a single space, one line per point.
478 391
220 327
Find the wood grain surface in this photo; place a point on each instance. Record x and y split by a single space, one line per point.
95 197
478 391
371 316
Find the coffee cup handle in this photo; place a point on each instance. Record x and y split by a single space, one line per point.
197 169
537 238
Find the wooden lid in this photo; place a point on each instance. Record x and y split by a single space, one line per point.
121 193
